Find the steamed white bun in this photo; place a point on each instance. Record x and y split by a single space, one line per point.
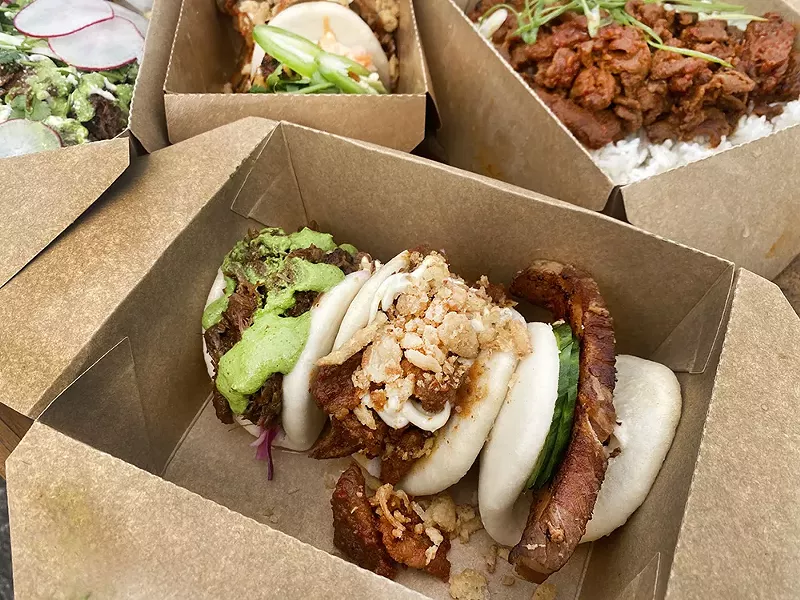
357 315
518 437
301 419
459 442
647 399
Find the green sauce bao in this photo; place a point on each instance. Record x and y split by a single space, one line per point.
274 342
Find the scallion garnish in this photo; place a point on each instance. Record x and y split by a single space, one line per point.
599 13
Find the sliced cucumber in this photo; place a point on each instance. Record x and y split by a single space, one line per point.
567 415
567 346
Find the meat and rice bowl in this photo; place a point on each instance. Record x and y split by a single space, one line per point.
647 86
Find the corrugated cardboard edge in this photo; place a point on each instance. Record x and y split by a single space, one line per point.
67 296
42 194
71 538
148 121
749 459
395 120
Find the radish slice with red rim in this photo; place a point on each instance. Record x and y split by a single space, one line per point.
107 45
19 136
52 18
134 17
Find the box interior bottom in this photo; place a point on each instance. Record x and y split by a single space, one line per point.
216 461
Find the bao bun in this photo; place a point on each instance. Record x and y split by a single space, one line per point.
309 19
301 419
647 399
517 437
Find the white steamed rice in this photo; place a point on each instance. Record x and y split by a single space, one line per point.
635 158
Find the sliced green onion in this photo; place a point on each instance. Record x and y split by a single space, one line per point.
348 75
294 51
692 53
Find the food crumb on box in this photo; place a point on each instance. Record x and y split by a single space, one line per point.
502 552
508 580
545 591
331 477
441 512
268 512
273 519
491 559
469 585
467 522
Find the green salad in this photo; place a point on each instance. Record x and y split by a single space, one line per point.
36 85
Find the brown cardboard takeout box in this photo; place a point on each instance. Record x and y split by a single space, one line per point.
205 56
42 194
128 486
740 204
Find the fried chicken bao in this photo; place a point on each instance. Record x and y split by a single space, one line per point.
611 69
422 359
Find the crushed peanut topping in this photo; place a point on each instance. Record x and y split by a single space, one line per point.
426 329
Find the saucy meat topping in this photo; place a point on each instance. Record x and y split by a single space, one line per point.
607 86
415 353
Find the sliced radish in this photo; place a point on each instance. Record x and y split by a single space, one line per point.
134 17
18 137
51 18
107 45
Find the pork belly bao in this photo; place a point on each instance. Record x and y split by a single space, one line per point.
646 85
272 312
428 370
320 47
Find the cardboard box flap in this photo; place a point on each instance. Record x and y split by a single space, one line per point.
500 149
148 119
42 194
148 538
102 408
747 479
699 330
745 230
79 281
204 57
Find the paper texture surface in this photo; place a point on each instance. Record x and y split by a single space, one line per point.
205 54
739 204
151 539
42 194
741 516
167 541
